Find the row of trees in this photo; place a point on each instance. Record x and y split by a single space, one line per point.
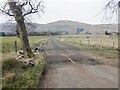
111 33
7 34
35 33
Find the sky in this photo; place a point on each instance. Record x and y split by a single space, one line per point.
86 11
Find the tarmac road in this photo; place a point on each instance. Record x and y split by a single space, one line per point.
68 67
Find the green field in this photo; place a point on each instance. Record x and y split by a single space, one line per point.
8 43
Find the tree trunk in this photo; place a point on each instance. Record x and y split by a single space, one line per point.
24 39
21 28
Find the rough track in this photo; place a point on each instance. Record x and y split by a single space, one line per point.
85 72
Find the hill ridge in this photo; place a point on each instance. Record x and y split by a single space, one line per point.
63 25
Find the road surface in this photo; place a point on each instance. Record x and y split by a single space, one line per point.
68 68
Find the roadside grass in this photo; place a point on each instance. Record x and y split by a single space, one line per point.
16 74
108 53
101 40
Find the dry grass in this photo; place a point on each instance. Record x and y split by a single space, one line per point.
18 75
99 46
101 40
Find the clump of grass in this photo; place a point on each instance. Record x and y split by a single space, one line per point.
25 67
9 64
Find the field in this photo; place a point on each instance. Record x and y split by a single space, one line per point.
98 46
14 73
101 40
8 43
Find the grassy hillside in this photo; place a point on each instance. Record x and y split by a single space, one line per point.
64 25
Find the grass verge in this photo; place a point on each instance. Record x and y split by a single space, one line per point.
16 75
106 55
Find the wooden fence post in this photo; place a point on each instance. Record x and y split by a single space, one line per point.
15 46
88 42
101 43
80 41
73 40
113 44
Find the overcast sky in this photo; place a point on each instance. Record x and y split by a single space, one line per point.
86 11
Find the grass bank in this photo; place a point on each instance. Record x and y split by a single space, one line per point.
19 76
16 75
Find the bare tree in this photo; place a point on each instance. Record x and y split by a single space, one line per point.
20 10
111 8
112 5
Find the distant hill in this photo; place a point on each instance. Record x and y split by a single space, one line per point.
64 25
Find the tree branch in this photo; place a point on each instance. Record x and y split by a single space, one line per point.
119 4
113 5
6 12
38 5
33 9
23 4
29 13
27 7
